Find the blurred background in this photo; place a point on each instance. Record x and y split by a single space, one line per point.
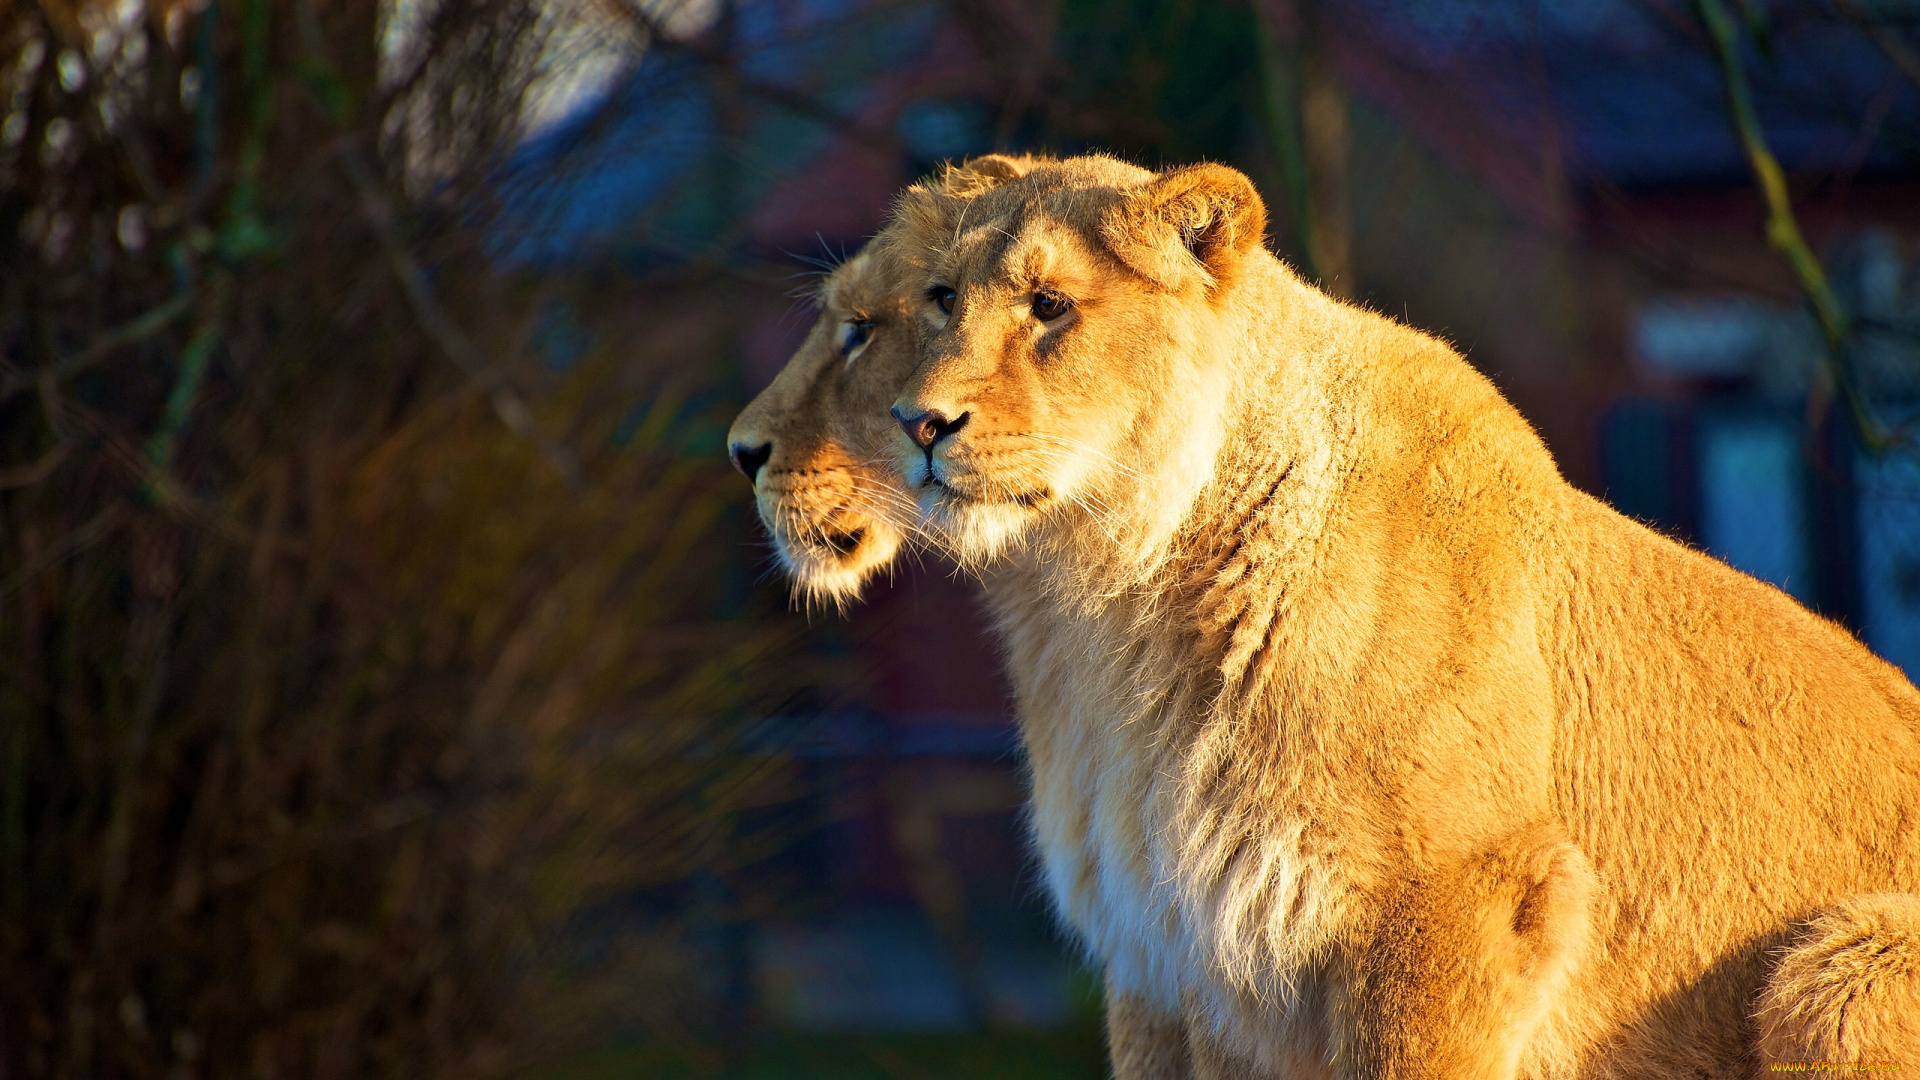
393 681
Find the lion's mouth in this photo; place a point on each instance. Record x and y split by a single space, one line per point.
844 543
820 541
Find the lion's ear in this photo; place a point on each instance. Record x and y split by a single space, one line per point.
932 206
999 167
1209 214
921 213
981 174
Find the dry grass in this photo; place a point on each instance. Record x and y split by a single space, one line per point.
350 654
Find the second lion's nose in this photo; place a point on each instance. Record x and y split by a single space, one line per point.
749 459
928 427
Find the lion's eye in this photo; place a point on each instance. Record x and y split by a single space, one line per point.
1048 306
853 334
944 297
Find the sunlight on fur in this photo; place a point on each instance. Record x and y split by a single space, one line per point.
833 519
1362 744
835 511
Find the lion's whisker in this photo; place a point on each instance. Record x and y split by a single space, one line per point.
1102 456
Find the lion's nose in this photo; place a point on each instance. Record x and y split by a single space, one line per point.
928 427
749 459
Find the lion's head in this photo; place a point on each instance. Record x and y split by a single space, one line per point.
1077 337
815 441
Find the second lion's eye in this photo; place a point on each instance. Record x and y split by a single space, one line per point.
853 334
1048 306
943 297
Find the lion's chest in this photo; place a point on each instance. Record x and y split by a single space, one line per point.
1192 898
1186 905
1093 823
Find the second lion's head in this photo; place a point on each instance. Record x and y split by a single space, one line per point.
814 443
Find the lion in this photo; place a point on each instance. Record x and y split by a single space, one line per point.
810 441
1362 744
833 411
814 442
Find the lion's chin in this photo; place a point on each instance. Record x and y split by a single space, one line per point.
975 531
834 566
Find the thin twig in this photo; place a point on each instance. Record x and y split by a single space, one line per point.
1783 228
459 348
1892 44
162 487
799 102
194 360
80 539
36 471
144 326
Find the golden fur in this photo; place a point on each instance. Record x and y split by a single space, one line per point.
1848 990
835 511
833 517
1360 740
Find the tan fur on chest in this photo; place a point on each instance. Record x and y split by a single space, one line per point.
1111 744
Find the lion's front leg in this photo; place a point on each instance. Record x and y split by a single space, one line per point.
1459 968
1145 1041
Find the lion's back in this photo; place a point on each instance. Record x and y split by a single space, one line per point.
1722 751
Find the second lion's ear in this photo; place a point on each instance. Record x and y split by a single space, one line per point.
1201 218
984 173
1000 167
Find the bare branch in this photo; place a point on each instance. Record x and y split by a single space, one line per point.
80 539
459 348
1783 228
1890 42
139 329
27 475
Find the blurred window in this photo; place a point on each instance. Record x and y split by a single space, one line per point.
1888 513
1637 459
1753 498
1715 338
1765 350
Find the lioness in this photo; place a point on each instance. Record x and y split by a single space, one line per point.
1845 960
834 515
1359 738
814 443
